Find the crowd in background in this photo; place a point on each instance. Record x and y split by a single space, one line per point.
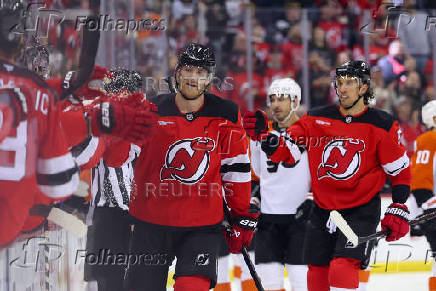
400 55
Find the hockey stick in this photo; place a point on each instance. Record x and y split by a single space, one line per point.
61 218
244 253
343 226
88 52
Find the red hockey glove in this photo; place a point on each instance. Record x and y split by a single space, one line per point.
6 119
242 229
396 221
255 124
133 124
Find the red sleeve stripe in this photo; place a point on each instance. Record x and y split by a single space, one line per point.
55 165
395 167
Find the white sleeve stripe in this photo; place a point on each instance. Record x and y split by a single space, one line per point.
88 152
60 191
395 167
294 149
236 177
55 165
239 159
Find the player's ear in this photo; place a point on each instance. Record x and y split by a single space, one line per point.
363 89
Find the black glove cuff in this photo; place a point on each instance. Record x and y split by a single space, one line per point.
246 223
270 145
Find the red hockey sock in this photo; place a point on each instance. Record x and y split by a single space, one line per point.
344 273
192 283
318 278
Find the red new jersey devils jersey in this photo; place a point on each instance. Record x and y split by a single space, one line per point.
189 162
349 156
34 157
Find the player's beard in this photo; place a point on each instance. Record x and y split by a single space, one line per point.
283 117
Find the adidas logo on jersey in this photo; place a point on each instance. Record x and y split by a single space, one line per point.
161 122
322 122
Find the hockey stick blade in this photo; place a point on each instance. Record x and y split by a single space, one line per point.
343 226
59 217
352 237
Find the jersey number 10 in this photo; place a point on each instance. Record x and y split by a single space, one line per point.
422 157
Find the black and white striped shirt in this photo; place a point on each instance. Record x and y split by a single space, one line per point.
111 187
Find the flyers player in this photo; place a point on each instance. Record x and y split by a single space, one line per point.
423 176
198 152
351 148
283 188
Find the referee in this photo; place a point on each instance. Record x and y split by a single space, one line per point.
109 219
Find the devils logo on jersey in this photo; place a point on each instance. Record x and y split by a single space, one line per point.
341 159
187 160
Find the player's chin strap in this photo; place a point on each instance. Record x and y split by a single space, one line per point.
293 109
354 103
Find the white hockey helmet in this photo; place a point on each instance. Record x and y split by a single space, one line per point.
286 87
428 112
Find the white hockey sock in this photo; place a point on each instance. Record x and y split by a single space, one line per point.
297 275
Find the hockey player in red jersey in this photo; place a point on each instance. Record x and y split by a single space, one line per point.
351 148
34 156
198 153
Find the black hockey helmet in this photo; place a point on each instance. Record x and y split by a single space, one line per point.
360 70
124 79
12 26
199 56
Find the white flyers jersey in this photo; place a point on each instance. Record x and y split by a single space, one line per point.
283 187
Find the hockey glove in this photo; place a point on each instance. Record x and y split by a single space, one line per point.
130 123
396 221
242 227
255 124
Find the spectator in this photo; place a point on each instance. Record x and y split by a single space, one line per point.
275 69
413 34
329 22
319 45
293 49
181 8
319 79
410 128
392 65
384 97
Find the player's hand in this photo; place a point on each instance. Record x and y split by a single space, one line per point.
132 123
241 232
396 221
6 119
305 210
272 144
255 124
